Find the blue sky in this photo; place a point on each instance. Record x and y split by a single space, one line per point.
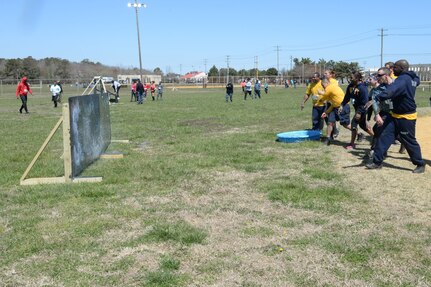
180 36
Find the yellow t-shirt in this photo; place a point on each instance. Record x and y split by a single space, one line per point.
312 91
333 81
334 95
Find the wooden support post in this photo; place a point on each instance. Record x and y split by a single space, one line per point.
120 141
111 155
66 144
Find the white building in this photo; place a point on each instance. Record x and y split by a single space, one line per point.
127 79
195 77
422 70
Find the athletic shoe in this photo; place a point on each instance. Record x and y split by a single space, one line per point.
360 137
373 166
402 149
350 146
336 133
369 154
326 142
419 169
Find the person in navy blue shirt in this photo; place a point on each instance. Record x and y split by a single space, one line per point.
357 93
402 122
257 89
229 91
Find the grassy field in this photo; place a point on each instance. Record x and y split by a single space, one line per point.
205 196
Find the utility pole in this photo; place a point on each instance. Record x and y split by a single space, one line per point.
278 62
302 78
256 64
205 65
381 45
206 76
291 61
227 74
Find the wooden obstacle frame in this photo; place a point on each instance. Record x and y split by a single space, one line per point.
71 152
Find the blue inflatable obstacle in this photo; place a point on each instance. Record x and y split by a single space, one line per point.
298 136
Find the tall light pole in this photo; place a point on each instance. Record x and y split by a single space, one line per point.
137 5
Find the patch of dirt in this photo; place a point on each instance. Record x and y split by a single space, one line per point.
198 122
423 135
229 205
394 192
211 124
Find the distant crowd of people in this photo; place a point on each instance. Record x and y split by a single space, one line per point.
140 90
248 89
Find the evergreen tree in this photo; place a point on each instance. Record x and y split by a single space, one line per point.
213 72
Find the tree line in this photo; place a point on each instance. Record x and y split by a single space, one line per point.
56 68
302 68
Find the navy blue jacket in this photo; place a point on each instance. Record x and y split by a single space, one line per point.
359 93
229 88
402 92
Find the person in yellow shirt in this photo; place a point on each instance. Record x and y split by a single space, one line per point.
390 66
318 107
333 95
330 75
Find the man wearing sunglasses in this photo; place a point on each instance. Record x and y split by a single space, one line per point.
402 121
382 110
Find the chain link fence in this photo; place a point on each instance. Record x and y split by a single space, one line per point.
77 86
42 86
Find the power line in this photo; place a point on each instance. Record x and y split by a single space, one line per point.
305 48
410 34
332 46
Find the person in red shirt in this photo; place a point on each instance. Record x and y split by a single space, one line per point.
133 88
22 90
153 89
146 88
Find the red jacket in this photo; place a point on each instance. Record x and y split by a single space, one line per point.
23 88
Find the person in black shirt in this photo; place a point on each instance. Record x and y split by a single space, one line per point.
139 91
229 91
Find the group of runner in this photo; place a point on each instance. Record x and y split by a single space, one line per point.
391 98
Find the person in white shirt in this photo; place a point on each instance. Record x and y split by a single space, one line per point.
248 89
55 91
116 86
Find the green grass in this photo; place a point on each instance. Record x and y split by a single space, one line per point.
180 232
203 196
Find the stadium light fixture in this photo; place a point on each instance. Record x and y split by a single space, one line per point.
137 5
